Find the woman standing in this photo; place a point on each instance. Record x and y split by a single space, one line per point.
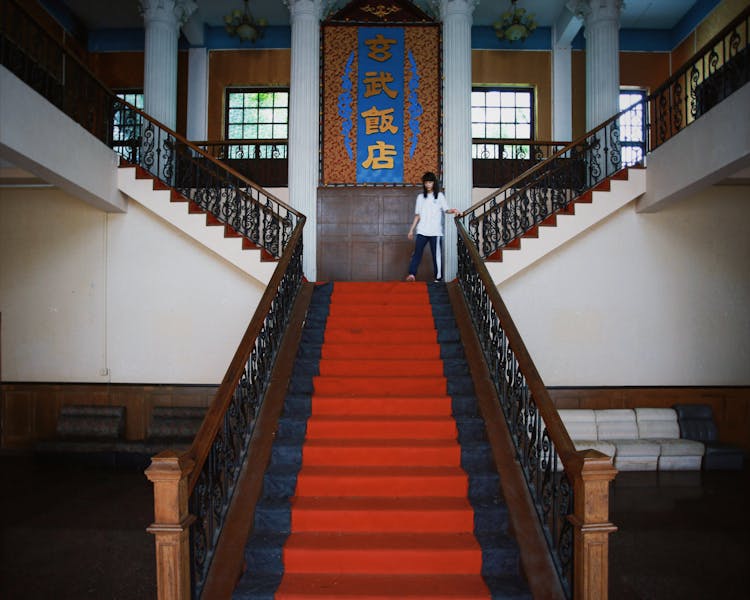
428 222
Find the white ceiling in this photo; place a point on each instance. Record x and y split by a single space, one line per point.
637 14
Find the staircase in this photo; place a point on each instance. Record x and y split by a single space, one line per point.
590 208
195 222
381 483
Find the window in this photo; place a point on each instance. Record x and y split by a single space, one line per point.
126 125
501 113
257 114
632 127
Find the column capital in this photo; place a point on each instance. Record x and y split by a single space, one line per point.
308 8
172 12
593 11
453 8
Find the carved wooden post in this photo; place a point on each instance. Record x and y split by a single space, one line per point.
591 524
169 473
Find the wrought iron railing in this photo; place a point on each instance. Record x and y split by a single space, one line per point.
534 424
33 55
263 161
719 68
497 161
221 445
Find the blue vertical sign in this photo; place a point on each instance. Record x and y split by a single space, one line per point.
380 105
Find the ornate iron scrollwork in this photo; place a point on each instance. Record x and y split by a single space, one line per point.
549 486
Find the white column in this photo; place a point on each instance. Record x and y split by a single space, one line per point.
163 19
564 29
457 172
304 120
562 97
602 21
197 102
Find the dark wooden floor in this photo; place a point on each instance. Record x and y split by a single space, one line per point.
73 532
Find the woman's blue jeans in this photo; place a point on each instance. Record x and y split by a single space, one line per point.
416 258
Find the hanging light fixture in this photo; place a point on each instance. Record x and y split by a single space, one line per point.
243 24
515 24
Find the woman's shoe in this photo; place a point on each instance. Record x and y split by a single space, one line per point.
410 278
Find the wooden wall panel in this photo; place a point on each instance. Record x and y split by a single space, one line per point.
362 234
578 92
717 19
29 411
647 70
683 52
119 70
230 68
513 67
731 405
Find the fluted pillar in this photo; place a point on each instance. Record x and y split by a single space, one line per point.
162 19
304 121
197 101
602 22
457 172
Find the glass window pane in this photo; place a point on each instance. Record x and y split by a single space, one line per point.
523 131
477 130
477 98
280 132
265 132
280 115
493 130
251 99
265 99
507 115
507 131
523 115
493 115
265 115
250 132
507 98
523 99
235 100
477 115
282 99
493 98
235 132
236 115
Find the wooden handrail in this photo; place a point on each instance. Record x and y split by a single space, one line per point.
212 422
590 472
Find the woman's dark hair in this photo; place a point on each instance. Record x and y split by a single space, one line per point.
430 176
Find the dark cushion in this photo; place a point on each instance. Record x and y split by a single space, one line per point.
84 422
697 423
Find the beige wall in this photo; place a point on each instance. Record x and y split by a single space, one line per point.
82 291
644 299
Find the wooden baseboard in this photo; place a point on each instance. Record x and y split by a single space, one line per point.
731 405
29 411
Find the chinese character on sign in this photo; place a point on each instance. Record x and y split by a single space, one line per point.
380 156
376 83
379 121
379 48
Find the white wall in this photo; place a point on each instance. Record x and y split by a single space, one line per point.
644 299
82 291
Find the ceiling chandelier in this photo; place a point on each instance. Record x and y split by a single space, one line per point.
514 24
243 24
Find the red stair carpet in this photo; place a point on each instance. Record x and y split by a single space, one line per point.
381 508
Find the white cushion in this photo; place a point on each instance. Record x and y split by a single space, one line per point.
602 446
580 423
680 463
637 448
616 424
657 423
681 447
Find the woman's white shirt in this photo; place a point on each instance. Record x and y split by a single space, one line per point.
431 211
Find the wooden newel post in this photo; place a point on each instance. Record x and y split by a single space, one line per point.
590 519
169 473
